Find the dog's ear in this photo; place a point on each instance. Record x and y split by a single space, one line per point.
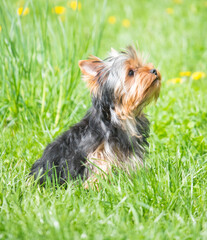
90 67
113 53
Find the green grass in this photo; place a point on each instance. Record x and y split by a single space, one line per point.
41 95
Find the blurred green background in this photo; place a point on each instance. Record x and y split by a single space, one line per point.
42 94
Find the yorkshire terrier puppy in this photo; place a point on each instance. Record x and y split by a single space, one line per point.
114 131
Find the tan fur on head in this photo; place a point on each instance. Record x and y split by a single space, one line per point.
139 89
131 92
90 69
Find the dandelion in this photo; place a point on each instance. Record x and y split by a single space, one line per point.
170 11
175 80
112 19
22 11
75 5
198 75
0 28
126 23
59 10
185 74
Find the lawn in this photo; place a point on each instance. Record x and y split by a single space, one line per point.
42 95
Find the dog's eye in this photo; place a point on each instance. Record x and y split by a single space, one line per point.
131 73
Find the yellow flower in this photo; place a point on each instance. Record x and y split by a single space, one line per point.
198 75
175 80
112 19
185 74
0 28
23 11
59 10
177 1
75 5
126 23
170 10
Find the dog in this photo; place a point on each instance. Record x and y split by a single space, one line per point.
114 131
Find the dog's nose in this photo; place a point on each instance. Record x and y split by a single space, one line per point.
154 71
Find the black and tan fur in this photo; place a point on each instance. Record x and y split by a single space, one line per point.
114 131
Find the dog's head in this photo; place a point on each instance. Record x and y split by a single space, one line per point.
122 80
